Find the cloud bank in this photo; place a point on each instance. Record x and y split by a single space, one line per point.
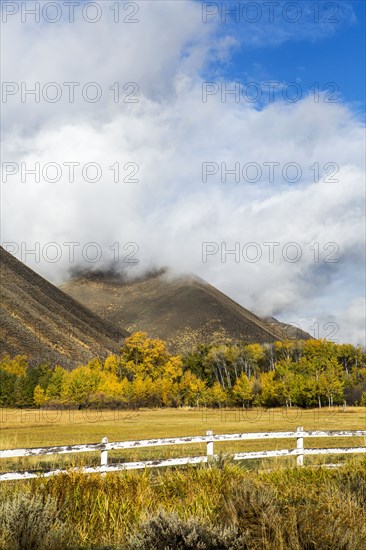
282 187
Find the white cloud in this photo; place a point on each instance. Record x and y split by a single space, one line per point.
170 212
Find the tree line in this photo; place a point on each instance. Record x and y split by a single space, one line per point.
311 373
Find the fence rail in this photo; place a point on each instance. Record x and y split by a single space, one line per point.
210 438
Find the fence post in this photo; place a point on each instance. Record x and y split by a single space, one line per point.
300 446
104 454
210 449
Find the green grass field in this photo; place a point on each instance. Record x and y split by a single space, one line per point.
38 428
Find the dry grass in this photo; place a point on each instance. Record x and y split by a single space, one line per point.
36 428
209 506
225 505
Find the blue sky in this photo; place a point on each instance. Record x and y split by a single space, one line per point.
304 52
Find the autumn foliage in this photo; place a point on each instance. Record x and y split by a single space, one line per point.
145 374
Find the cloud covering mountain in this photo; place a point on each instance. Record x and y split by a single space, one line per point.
291 210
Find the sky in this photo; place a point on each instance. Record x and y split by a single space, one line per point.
333 54
224 139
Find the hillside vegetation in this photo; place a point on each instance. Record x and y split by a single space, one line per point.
145 374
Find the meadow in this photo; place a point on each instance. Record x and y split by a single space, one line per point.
286 507
37 428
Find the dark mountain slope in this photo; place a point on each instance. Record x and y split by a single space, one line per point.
164 306
39 320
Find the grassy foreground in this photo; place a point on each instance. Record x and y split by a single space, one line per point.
217 507
221 506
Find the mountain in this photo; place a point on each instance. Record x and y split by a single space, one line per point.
39 320
289 332
167 307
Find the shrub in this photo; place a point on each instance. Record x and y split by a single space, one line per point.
29 522
253 508
169 532
332 518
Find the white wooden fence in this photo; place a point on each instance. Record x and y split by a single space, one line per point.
209 439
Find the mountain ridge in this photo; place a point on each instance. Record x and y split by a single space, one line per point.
37 319
164 305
